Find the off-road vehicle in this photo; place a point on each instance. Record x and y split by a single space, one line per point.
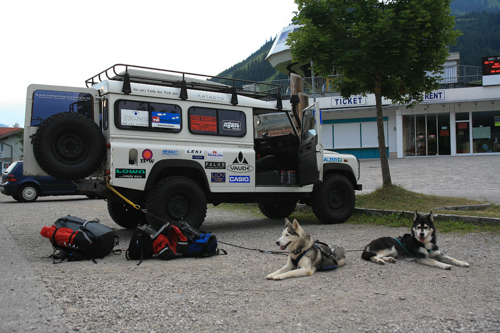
172 142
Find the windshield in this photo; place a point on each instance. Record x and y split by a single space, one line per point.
272 124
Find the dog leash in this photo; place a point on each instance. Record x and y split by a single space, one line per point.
250 249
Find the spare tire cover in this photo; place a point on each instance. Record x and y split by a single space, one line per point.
69 146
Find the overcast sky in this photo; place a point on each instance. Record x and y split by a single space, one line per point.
66 42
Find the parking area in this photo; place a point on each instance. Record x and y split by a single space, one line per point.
229 292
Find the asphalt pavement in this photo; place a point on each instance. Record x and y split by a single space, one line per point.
471 177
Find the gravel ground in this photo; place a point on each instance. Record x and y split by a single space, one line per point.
230 293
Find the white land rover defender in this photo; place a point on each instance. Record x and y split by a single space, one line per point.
171 142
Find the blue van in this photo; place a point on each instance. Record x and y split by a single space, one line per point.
29 188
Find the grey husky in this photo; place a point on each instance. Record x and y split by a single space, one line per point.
306 256
420 245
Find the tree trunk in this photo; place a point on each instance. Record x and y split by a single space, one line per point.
384 163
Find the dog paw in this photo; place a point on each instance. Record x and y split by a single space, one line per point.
447 267
463 264
269 277
393 260
277 277
380 262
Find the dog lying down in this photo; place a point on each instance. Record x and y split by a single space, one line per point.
421 245
306 256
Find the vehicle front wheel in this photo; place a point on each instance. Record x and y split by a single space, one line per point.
177 198
28 193
333 200
277 210
125 215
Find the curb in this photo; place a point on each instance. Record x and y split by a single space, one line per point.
439 217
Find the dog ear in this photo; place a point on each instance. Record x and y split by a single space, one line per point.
416 216
287 222
295 225
431 217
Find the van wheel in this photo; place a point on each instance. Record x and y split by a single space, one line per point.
15 197
69 146
177 198
28 193
277 210
333 200
125 215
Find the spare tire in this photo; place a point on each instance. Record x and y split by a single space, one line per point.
69 146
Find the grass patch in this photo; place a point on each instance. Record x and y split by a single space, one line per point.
399 199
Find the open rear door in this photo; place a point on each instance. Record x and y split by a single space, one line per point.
310 149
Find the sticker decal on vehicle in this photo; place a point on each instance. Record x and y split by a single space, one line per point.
239 179
332 159
215 165
195 151
130 173
169 152
218 177
147 156
240 164
215 155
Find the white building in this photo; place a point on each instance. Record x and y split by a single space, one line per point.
10 146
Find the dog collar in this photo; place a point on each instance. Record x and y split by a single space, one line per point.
297 251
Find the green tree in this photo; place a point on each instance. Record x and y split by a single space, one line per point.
383 47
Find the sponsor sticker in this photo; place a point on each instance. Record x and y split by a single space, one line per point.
204 123
218 177
165 120
332 159
231 125
147 156
195 151
239 179
169 152
215 165
240 164
215 155
130 173
198 157
134 118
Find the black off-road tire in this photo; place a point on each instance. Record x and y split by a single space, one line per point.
175 198
277 210
28 193
333 200
69 146
125 215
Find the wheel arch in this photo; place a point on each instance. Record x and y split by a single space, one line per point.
32 183
342 169
166 168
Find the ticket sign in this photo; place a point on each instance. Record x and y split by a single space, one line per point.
491 65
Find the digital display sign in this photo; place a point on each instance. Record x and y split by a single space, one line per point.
491 65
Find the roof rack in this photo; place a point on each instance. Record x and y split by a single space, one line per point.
183 80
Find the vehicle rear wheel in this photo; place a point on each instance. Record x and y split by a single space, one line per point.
69 146
16 197
125 215
277 210
333 200
28 193
177 198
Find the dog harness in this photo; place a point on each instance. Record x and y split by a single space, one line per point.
328 260
402 245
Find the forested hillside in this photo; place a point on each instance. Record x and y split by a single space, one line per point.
481 37
478 20
255 67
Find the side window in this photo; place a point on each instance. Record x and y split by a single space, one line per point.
217 122
47 103
146 116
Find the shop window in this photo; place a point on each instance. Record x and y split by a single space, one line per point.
486 132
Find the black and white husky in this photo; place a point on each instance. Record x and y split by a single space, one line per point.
306 256
421 245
